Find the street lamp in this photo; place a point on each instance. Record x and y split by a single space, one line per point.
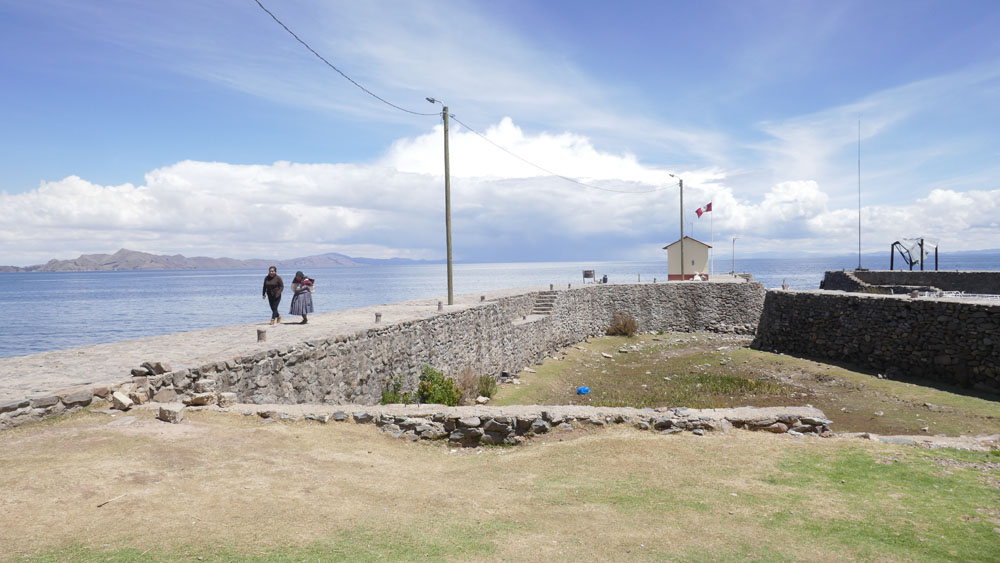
680 182
733 272
447 196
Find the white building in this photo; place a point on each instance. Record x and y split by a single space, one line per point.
695 259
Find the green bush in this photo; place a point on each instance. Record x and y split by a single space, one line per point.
392 396
438 389
487 386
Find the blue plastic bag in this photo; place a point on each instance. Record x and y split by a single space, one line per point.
582 390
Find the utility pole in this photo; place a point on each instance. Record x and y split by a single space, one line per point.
733 272
859 194
447 206
447 198
680 182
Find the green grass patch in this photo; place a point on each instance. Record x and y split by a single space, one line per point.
909 504
475 540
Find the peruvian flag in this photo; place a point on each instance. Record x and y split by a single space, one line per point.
706 209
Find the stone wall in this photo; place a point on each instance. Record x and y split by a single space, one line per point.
969 282
495 337
499 336
490 338
948 341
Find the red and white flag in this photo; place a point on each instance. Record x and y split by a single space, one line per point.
706 209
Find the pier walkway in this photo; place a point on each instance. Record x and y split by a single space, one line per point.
26 377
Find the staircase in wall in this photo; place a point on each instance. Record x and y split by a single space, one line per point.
544 303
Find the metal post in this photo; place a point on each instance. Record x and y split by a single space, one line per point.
681 184
447 205
733 272
922 255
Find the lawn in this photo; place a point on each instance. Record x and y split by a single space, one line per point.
227 487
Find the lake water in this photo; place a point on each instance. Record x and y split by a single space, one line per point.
50 311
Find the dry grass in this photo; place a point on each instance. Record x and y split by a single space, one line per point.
224 486
707 370
622 324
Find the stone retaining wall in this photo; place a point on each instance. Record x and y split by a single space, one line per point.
949 341
496 337
491 338
479 425
902 280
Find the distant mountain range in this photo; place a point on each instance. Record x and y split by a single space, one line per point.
126 259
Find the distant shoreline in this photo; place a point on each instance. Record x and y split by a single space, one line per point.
132 260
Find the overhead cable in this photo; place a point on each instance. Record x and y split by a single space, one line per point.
329 64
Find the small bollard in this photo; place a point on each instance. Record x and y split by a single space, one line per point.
261 334
378 317
551 287
440 306
482 298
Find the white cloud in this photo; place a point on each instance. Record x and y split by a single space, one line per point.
502 208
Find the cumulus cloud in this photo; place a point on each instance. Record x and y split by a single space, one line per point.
503 209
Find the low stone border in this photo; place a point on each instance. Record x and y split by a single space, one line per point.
481 425
16 413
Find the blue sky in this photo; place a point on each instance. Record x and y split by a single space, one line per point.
205 129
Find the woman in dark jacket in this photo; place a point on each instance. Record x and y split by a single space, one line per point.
302 301
272 290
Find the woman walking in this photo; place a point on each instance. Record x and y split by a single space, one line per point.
302 301
273 287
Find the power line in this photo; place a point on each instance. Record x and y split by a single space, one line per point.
484 137
547 171
329 64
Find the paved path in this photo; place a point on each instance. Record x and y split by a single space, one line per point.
42 374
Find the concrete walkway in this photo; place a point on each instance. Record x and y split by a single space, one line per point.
25 377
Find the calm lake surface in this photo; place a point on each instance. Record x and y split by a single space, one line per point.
51 311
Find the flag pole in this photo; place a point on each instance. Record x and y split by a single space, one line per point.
711 263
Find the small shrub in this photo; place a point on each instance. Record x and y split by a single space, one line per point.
487 386
468 383
622 324
391 394
438 389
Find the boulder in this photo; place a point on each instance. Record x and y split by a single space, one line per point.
540 426
205 386
172 413
165 396
469 422
121 401
201 399
82 397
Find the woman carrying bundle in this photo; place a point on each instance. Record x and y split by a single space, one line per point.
302 301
